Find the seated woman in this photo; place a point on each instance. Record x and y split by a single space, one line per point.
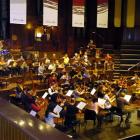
49 114
96 107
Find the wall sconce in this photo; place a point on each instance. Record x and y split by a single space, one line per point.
29 26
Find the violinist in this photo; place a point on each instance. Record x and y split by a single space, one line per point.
70 114
49 114
121 102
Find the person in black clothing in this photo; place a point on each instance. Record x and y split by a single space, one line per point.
70 114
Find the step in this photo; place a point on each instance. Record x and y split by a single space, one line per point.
130 59
129 51
132 56
116 76
120 70
129 54
130 46
125 65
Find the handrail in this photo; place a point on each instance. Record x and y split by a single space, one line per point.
133 66
16 124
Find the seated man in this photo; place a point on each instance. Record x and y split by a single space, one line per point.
121 102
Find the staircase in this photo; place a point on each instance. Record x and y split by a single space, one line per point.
126 59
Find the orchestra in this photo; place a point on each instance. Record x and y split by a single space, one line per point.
76 74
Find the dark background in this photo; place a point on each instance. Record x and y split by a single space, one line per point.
65 37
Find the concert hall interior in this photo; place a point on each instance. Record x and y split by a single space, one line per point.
69 69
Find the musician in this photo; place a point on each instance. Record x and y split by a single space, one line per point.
47 60
86 61
52 79
91 45
2 61
121 102
24 67
135 77
91 48
93 105
109 66
81 52
49 114
52 66
54 58
79 91
36 57
73 72
1 45
9 61
65 76
13 66
2 66
70 114
76 59
66 59
37 104
41 70
21 58
108 57
97 58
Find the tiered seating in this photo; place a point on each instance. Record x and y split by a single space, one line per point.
129 56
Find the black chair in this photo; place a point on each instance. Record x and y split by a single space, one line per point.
119 112
89 115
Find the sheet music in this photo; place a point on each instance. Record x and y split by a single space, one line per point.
81 105
69 93
33 113
45 95
127 97
101 102
93 91
57 109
